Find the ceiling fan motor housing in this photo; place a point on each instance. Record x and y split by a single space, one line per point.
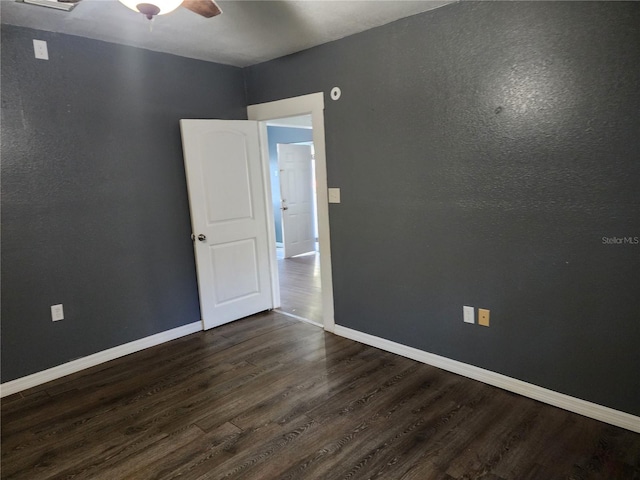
148 9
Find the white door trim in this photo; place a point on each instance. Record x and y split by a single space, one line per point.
312 104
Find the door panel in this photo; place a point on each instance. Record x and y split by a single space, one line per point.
227 176
228 211
240 256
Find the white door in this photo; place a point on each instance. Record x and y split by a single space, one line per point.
296 193
228 217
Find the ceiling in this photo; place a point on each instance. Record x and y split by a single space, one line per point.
248 32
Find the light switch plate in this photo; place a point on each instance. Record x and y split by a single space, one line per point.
468 314
40 49
334 195
57 313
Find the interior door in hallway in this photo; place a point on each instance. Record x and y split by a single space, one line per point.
228 217
296 190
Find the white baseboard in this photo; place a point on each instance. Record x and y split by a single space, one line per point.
566 402
23 383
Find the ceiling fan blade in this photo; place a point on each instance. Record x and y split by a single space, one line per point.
206 8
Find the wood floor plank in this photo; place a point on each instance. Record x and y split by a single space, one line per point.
356 431
269 397
97 394
93 430
195 402
145 459
501 437
300 394
519 462
424 471
360 442
249 463
249 401
252 327
361 458
199 457
343 424
300 286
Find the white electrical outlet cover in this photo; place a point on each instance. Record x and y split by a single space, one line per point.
468 314
57 313
334 195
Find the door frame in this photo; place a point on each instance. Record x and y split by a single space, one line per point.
312 104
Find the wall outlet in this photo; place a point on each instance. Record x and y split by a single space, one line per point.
468 314
483 317
57 313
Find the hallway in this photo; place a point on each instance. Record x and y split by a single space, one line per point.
300 290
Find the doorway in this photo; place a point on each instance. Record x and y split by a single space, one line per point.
309 106
292 167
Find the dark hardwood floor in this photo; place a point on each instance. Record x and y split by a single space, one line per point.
269 397
300 289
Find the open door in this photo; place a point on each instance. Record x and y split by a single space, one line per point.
296 193
228 217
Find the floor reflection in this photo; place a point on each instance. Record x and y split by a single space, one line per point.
300 290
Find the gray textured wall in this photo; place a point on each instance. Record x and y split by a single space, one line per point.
484 150
94 200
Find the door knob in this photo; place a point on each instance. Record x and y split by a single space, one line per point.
202 237
284 208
